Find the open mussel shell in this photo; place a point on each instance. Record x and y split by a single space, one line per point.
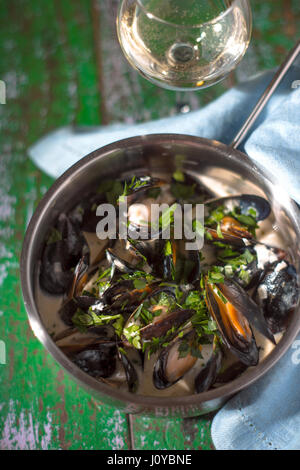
151 251
161 317
243 203
212 235
118 264
162 324
123 294
170 367
130 371
229 372
187 266
180 265
54 278
80 276
278 294
70 307
74 298
242 302
231 226
235 329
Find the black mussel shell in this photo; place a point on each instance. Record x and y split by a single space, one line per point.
125 295
230 373
187 266
266 256
118 263
162 326
152 251
55 277
140 185
89 217
162 377
117 290
207 376
227 238
168 288
61 255
97 360
235 330
237 296
80 276
69 308
74 242
130 372
278 294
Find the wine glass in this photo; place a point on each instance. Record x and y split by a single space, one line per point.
184 44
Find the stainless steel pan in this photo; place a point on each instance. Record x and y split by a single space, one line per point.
214 163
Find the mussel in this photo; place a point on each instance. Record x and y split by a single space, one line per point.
233 215
64 248
232 309
156 315
118 264
173 363
179 264
70 307
208 374
130 372
127 294
97 360
165 322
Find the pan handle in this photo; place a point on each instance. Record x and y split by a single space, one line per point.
271 88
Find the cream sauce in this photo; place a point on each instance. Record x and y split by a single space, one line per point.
48 307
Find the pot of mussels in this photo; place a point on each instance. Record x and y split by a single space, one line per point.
150 322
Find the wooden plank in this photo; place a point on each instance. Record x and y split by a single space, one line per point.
47 61
171 434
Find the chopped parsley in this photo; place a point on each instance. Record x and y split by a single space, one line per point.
134 185
133 336
84 320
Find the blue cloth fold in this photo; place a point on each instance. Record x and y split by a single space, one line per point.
267 414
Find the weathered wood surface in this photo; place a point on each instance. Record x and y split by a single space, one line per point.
62 64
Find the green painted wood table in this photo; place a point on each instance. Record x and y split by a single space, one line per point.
62 64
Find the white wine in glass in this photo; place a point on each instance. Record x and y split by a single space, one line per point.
184 44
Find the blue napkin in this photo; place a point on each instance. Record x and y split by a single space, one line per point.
273 142
267 414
